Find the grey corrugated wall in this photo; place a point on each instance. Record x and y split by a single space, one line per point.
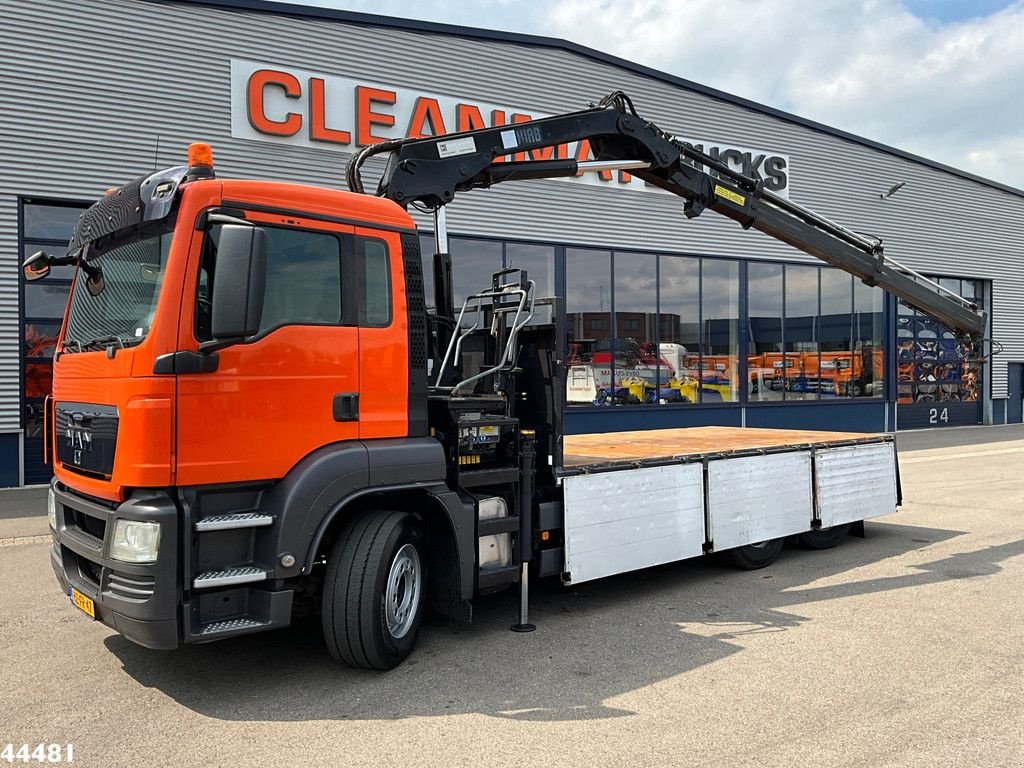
95 83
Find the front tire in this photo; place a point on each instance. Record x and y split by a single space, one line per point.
374 591
754 556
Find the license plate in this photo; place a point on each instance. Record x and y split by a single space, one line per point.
83 603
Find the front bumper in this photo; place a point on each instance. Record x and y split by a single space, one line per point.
138 600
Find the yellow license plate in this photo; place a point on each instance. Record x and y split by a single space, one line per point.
85 604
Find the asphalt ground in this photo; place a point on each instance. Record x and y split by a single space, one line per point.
904 648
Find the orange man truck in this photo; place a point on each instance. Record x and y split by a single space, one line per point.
253 413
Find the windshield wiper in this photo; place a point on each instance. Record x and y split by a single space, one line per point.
68 346
108 341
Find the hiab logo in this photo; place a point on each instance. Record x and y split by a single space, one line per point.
284 105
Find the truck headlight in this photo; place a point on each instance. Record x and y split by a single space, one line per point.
51 509
135 541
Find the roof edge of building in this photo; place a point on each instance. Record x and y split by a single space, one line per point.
520 38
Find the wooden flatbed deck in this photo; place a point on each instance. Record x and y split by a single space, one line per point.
580 451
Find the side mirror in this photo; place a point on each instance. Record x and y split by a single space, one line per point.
36 266
239 282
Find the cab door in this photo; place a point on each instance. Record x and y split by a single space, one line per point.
294 386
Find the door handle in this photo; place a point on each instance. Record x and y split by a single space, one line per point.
346 406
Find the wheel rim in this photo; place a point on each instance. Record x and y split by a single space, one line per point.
402 597
760 544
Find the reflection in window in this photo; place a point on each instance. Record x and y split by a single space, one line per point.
539 263
764 351
800 333
303 278
38 379
932 365
721 306
474 263
633 352
679 330
840 375
40 338
427 249
45 299
50 222
588 320
375 298
868 350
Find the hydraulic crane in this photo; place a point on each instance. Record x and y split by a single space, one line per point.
430 171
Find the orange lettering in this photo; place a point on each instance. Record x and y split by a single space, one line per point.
258 82
318 130
426 110
366 118
468 118
498 118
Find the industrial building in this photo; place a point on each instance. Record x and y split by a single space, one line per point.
107 91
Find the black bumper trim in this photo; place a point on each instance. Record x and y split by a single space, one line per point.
153 621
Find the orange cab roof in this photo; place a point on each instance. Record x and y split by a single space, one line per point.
304 198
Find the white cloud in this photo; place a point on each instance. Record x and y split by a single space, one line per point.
952 92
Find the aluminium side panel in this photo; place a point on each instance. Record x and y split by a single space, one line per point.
630 519
757 498
855 482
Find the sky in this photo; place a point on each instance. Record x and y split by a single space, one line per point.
943 79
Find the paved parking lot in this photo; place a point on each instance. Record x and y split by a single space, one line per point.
905 648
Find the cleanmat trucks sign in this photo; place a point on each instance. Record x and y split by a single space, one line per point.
297 107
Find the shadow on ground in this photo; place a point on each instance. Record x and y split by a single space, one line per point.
594 641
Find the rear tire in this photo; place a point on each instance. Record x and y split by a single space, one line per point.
374 591
754 556
824 538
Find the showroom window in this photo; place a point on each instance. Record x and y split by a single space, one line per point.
932 365
764 318
815 333
800 369
673 329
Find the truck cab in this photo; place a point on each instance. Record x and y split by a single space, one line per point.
236 361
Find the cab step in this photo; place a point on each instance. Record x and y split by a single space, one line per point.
231 625
227 577
229 522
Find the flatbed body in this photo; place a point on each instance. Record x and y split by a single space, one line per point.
638 499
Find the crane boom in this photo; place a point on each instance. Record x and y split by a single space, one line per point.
430 171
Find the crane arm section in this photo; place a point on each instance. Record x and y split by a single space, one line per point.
430 171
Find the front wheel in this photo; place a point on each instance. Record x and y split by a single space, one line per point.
754 556
374 591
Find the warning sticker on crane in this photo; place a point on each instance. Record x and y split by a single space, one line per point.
727 194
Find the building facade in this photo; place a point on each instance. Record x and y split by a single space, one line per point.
666 321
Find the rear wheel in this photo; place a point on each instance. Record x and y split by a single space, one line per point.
824 538
374 591
754 556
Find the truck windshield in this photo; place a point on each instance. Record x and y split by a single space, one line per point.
122 311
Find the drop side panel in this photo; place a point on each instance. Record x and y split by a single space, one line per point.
630 519
756 498
855 482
